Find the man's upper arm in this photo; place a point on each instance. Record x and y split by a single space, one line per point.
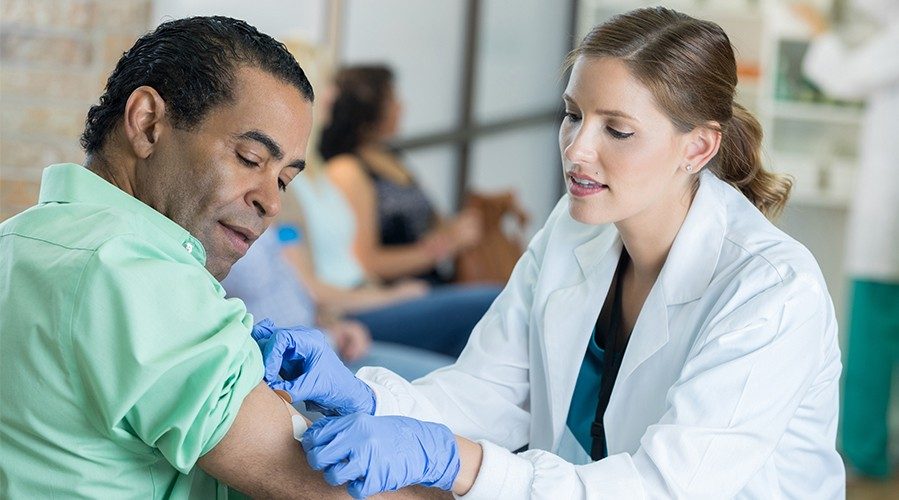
259 456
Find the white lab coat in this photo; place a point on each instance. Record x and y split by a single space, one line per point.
870 72
728 387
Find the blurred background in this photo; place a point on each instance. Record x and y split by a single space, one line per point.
480 85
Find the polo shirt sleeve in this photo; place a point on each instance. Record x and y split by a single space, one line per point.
160 355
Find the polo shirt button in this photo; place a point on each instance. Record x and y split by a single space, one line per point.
189 247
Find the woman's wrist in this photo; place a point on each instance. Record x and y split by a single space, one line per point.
470 456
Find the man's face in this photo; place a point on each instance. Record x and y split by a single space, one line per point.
222 180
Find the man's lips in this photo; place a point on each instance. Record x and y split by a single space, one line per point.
240 237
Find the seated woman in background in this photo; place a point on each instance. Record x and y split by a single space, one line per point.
398 234
406 312
267 285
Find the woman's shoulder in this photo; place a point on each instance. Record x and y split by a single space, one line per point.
346 170
345 163
759 262
753 241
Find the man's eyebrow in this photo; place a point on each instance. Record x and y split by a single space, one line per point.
261 137
273 148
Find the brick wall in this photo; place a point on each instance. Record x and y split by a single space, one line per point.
55 56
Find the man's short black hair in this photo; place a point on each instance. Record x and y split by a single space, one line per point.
191 63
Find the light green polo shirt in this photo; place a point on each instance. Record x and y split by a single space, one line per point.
120 359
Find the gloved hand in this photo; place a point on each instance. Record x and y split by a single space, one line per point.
300 361
376 454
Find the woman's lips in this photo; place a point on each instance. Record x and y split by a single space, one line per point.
582 186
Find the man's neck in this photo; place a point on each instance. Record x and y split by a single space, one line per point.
106 168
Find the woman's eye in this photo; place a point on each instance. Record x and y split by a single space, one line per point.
573 117
617 134
282 185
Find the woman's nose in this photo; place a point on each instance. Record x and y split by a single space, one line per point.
581 149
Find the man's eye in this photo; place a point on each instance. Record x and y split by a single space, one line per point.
246 162
282 185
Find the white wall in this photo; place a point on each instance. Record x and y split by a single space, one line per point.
304 19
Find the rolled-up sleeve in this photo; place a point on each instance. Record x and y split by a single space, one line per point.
162 358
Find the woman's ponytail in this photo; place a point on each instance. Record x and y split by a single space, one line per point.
739 163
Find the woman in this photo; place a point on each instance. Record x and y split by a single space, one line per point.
398 234
408 312
660 337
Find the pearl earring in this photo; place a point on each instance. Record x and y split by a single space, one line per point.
689 167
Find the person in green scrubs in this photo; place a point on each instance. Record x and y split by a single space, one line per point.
126 373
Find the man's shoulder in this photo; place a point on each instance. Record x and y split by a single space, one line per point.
81 240
74 226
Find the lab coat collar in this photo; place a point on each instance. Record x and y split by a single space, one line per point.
571 311
595 253
686 275
694 254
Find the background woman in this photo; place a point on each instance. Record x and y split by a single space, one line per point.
398 233
410 312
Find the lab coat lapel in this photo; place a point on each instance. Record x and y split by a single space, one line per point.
649 335
685 276
569 318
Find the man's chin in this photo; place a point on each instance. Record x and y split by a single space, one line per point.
219 268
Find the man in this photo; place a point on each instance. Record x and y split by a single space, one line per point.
126 373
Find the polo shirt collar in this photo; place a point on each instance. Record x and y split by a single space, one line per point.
72 183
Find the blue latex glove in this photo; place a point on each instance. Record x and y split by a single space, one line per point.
300 361
376 454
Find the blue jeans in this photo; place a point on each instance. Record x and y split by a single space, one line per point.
407 362
440 321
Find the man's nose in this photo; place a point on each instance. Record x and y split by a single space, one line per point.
266 198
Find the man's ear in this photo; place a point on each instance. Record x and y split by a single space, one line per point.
703 143
145 120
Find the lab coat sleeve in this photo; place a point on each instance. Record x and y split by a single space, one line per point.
739 389
853 73
485 394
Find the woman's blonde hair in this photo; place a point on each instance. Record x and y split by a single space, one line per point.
689 66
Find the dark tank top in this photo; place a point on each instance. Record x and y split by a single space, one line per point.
404 214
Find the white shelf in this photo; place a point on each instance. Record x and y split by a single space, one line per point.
821 113
818 200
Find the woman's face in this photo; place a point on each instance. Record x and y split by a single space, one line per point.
389 124
621 155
